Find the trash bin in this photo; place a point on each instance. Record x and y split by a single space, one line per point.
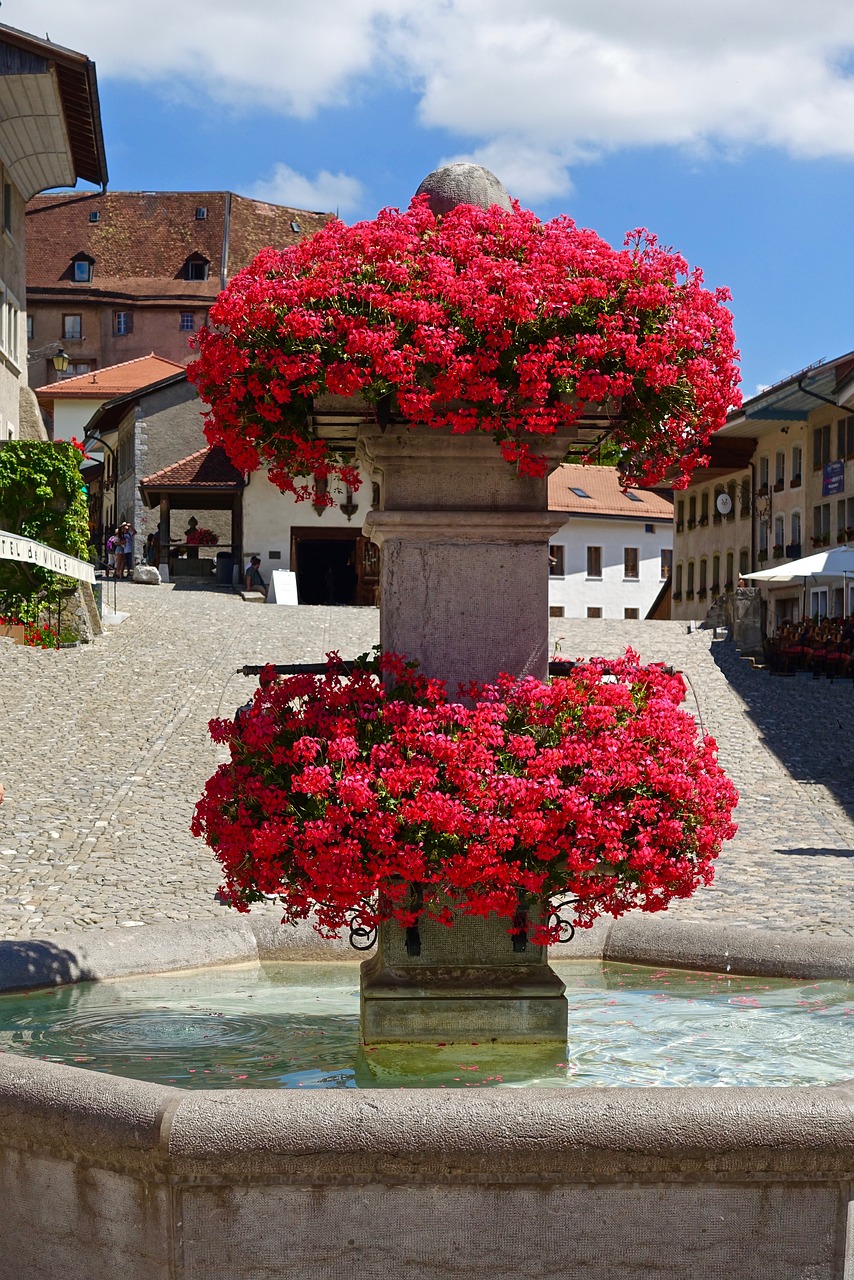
224 568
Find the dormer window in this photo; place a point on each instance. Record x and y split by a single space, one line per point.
94 216
82 268
196 267
201 213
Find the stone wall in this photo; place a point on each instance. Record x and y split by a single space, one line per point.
153 1183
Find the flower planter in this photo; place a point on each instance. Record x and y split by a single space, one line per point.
467 983
14 631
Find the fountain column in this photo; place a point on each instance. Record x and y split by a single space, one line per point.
464 590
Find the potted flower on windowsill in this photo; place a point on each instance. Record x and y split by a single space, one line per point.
779 551
762 556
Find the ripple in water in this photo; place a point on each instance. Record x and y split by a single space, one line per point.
296 1026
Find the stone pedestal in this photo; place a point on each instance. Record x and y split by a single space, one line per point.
466 985
464 590
464 569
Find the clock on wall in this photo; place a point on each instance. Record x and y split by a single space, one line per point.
724 504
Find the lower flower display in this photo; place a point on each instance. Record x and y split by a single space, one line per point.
364 794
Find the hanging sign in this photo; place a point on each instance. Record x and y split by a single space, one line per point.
42 556
832 478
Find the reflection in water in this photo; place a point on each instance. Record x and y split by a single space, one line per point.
296 1026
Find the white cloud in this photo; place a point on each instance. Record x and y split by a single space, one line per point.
534 84
326 192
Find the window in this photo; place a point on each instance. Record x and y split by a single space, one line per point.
631 613
196 268
556 611
680 515
649 528
295 227
779 471
666 562
593 612
634 497
188 321
677 582
820 446
72 327
7 207
716 515
840 519
83 270
94 215
75 368
122 323
579 493
745 496
743 561
594 562
704 507
779 537
704 574
821 524
692 511
845 437
797 466
630 562
730 563
556 560
29 328
763 539
689 591
794 549
716 574
201 212
764 471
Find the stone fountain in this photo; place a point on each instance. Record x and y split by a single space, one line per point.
102 1176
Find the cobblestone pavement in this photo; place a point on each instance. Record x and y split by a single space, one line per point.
105 750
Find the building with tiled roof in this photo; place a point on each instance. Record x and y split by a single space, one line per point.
69 404
113 275
614 553
50 135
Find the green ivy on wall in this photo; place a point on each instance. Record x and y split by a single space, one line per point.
41 497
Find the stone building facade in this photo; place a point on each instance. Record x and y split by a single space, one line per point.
50 135
785 463
115 275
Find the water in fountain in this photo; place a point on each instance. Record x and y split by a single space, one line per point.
296 1026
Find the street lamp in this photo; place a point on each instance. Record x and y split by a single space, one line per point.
59 359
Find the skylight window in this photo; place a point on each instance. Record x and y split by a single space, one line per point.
201 213
94 216
634 497
295 227
579 493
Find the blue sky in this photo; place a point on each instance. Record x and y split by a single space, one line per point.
725 126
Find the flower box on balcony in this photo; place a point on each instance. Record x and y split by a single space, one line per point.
762 491
779 485
703 521
715 588
692 524
702 593
778 551
795 482
762 557
677 595
680 525
728 585
793 551
689 595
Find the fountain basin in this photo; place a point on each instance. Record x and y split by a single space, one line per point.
103 1175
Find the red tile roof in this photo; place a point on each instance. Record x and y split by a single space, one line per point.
605 497
141 241
207 469
114 380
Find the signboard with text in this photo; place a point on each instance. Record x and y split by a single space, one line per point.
833 478
41 556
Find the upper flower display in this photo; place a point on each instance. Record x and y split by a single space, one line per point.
478 320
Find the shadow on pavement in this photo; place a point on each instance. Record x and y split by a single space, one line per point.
805 723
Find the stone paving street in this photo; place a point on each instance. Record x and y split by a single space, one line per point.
105 751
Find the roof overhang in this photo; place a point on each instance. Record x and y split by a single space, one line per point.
191 497
50 120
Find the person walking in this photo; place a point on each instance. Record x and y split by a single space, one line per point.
128 532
